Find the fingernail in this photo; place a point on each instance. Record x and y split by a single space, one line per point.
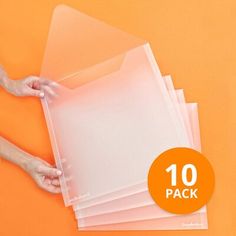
54 84
41 94
59 172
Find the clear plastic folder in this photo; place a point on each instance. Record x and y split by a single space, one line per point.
142 197
150 217
177 97
182 222
137 207
113 115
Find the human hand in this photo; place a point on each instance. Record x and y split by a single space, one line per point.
45 175
30 86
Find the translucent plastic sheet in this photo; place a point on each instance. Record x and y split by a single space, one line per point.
117 200
143 198
151 216
194 221
112 115
177 97
137 214
148 210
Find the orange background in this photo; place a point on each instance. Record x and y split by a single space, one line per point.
192 40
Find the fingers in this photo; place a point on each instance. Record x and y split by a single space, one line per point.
47 82
47 89
53 189
49 187
37 87
48 171
35 80
45 175
34 92
54 182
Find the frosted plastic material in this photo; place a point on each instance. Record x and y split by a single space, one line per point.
105 125
140 217
131 215
183 222
111 118
177 98
148 211
184 112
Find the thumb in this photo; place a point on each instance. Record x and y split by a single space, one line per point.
49 171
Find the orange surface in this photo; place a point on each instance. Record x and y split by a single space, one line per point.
194 41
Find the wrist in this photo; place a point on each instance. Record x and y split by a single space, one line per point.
25 162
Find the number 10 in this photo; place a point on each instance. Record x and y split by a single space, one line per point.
173 169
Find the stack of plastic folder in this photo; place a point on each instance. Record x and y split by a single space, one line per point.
114 113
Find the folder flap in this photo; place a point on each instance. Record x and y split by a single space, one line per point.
78 42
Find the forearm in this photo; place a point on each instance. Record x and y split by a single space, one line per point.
3 78
12 153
